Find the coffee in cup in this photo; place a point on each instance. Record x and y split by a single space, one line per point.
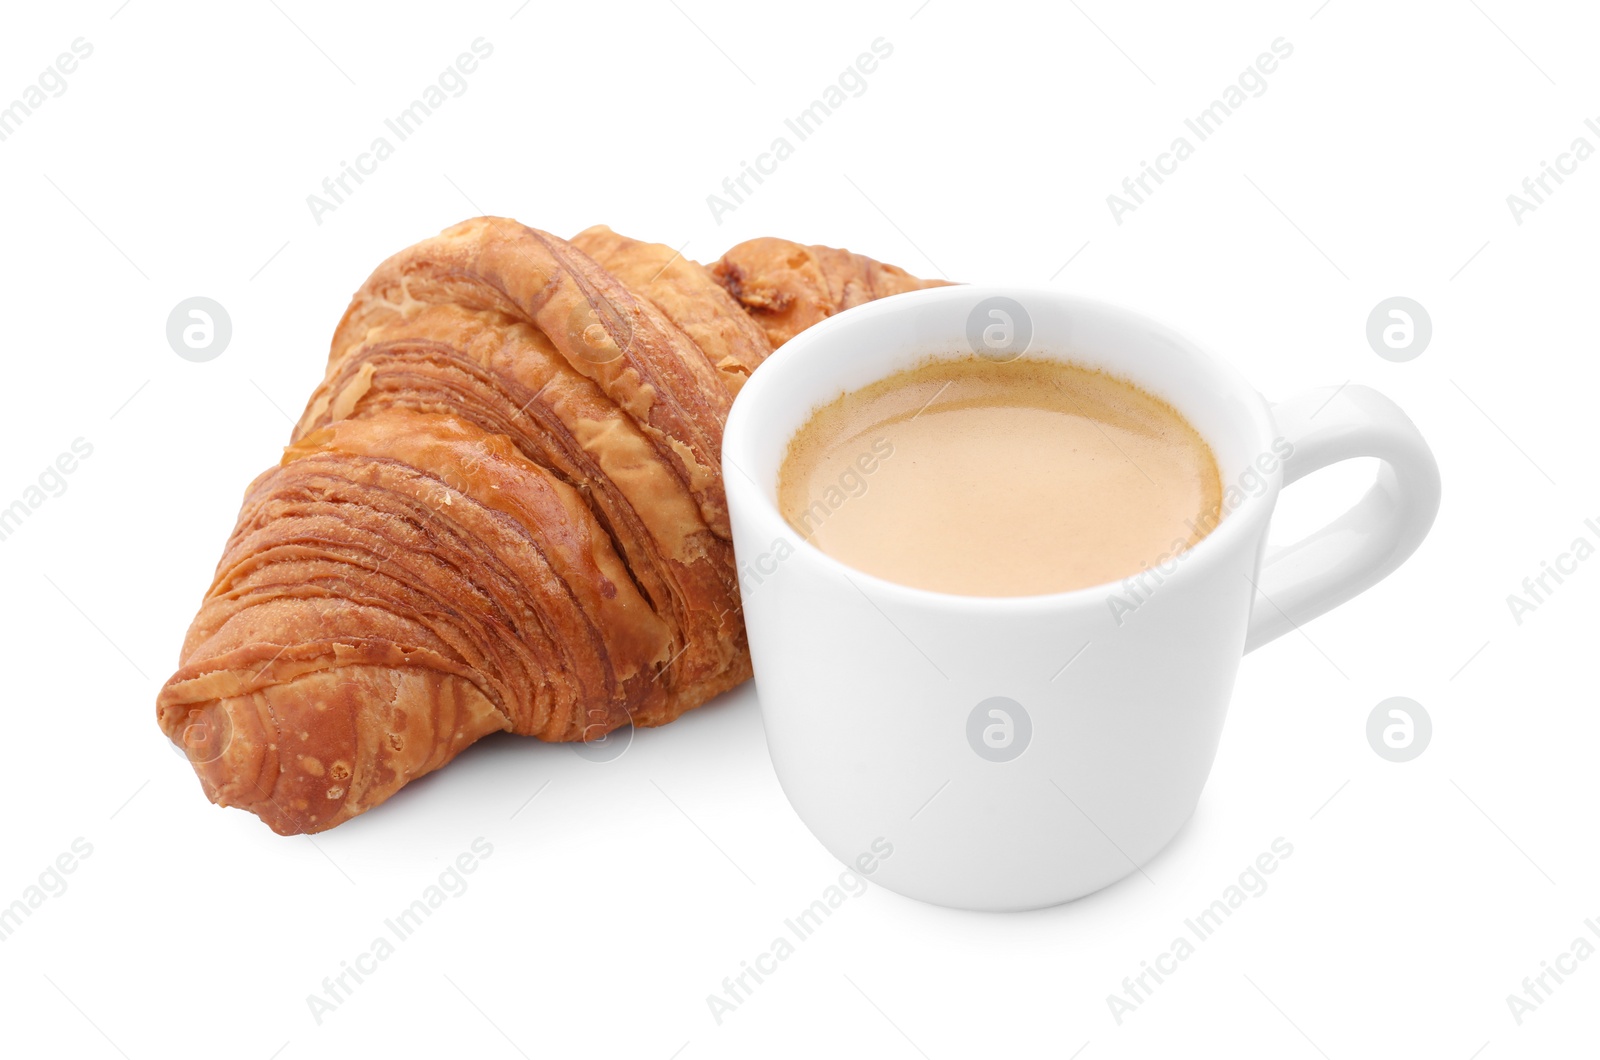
982 477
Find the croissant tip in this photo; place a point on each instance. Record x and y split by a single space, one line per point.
226 761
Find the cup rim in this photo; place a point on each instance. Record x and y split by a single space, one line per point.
1237 528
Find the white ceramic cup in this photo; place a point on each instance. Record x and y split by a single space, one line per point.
1017 752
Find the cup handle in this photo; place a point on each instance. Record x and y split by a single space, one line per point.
1360 548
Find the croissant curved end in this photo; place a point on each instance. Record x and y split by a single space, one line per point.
312 752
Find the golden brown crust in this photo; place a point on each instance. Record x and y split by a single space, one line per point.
507 379
501 511
645 365
787 287
689 296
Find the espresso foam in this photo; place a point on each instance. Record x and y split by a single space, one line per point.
987 478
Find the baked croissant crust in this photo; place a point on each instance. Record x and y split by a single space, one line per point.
501 510
787 287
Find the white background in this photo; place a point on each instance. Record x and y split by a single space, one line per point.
1377 163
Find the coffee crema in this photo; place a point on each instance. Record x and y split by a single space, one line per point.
987 478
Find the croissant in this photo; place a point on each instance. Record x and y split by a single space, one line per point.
501 510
